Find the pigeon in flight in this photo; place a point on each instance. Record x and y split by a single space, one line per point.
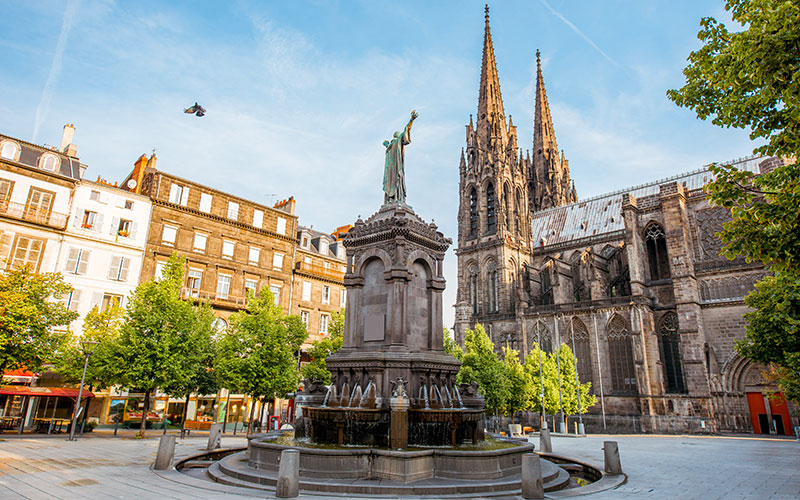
197 110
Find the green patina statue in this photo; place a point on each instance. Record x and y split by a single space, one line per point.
394 178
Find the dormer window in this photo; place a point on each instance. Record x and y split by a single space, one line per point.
305 241
323 247
49 162
9 150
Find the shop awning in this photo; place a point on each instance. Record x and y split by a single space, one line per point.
18 375
23 390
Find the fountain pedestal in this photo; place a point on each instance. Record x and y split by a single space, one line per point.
392 338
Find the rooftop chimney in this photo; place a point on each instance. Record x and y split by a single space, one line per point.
66 140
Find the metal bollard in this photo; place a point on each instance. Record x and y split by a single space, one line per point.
611 452
166 452
532 483
288 475
545 444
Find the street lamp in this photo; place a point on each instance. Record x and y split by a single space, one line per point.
88 347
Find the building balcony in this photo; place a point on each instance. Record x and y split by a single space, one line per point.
28 214
215 299
321 271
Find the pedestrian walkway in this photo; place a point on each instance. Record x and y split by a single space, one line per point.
658 467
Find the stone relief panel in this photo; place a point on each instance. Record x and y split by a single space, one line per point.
709 222
728 288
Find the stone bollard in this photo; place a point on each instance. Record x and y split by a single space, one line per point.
532 483
545 445
214 437
581 429
562 427
166 452
611 452
288 475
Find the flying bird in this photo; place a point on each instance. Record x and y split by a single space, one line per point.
197 110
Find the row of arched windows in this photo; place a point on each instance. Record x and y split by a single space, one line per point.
620 351
512 216
492 290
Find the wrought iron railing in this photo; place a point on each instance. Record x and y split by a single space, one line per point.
30 214
328 272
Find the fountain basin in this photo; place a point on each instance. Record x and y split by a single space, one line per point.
401 466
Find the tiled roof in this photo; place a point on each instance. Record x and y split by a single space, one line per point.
603 214
30 154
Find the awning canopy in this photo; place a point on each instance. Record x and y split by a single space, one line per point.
24 390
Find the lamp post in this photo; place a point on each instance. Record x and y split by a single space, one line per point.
542 414
581 429
88 347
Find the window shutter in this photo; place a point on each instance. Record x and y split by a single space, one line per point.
75 300
98 222
185 196
78 219
72 260
97 299
123 274
174 193
134 226
113 269
83 261
5 247
114 226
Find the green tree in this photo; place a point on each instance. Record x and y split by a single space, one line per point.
257 356
480 364
748 78
200 365
520 385
30 309
317 369
159 339
451 347
569 384
98 326
550 380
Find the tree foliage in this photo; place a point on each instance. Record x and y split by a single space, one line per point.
161 336
520 385
569 384
31 308
750 78
98 326
480 364
257 355
544 375
317 369
451 347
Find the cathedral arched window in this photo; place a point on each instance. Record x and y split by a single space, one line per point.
473 291
507 205
541 335
669 345
546 297
492 288
579 337
620 355
491 210
517 212
473 213
657 256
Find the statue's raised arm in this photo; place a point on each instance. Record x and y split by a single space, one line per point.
394 178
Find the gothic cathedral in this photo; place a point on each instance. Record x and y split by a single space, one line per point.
632 279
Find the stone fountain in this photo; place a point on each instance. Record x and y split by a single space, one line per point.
392 383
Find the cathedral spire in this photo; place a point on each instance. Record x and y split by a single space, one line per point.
544 138
549 175
491 117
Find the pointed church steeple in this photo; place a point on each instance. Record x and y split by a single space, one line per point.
491 125
549 177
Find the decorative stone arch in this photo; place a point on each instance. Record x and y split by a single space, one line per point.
372 253
542 336
490 204
473 208
669 340
508 205
492 285
473 284
620 355
10 150
740 373
416 255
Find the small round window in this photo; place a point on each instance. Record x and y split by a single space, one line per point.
9 150
49 162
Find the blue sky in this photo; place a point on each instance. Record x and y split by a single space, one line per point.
301 94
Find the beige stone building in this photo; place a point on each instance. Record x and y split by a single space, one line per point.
632 279
231 244
317 280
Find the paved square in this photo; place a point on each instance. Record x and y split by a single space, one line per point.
658 467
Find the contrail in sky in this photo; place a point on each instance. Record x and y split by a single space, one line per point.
579 32
55 68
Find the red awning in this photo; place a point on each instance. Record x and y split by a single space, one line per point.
24 390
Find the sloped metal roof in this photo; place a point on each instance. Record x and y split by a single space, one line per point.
603 214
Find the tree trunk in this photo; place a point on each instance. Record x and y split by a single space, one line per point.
145 410
252 410
185 414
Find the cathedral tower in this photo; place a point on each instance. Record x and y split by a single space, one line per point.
494 215
549 182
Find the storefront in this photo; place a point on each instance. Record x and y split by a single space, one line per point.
42 409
